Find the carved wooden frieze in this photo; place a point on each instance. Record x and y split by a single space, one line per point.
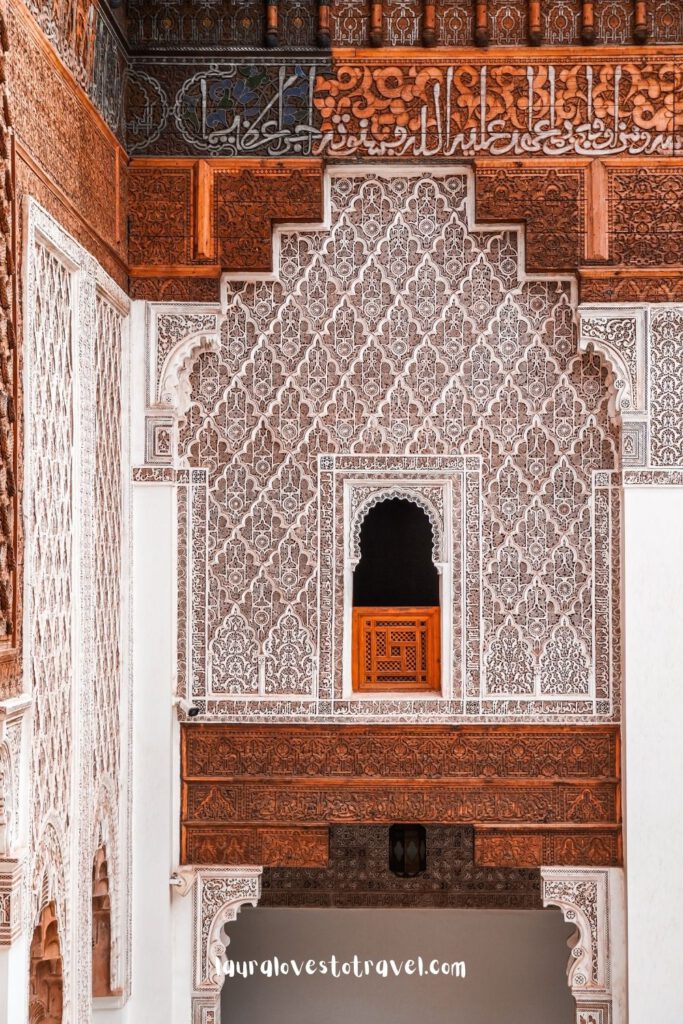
496 847
192 219
219 752
427 105
180 24
549 198
238 781
284 847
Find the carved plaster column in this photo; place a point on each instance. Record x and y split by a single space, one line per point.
218 895
593 900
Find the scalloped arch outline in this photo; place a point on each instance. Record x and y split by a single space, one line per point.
406 494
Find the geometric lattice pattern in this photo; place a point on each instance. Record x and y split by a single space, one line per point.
396 649
358 875
402 330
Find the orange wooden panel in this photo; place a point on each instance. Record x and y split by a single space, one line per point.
396 649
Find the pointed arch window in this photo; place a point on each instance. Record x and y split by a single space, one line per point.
396 621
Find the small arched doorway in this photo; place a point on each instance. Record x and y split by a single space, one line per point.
396 601
45 971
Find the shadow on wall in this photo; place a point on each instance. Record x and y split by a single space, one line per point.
515 967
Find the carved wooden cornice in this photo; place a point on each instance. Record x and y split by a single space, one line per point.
196 219
599 219
266 794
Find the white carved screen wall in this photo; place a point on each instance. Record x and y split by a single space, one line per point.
402 335
76 538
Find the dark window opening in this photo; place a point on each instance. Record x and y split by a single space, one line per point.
396 567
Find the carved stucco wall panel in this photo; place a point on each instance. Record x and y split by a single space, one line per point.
74 342
400 331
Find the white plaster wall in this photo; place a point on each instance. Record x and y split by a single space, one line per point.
14 981
153 822
653 751
516 967
154 739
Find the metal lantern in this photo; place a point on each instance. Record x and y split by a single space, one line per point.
407 850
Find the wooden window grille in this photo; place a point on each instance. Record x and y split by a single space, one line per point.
396 649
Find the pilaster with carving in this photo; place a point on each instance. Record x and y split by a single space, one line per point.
593 900
11 899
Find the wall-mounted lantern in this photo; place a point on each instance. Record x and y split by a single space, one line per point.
407 850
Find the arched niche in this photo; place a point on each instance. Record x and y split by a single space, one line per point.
46 987
101 927
395 548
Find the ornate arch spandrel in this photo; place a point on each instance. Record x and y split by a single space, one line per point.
619 335
404 493
592 899
175 337
218 895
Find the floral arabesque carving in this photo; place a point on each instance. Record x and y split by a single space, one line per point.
174 382
618 334
640 344
666 419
